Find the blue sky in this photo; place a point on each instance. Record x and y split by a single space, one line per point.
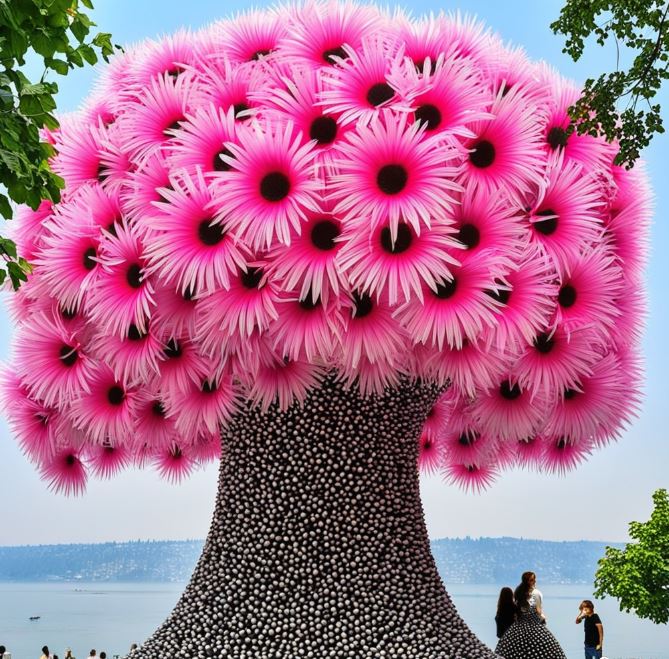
595 502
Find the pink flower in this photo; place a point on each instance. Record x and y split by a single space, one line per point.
458 309
429 453
253 36
173 463
199 144
186 246
562 453
154 429
566 215
530 452
108 459
319 32
471 477
105 409
390 172
65 472
29 227
378 265
51 361
509 412
123 294
143 187
269 188
151 120
506 150
361 84
155 59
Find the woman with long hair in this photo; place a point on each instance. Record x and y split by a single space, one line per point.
506 611
528 637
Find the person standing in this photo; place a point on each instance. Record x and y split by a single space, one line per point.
93 654
593 628
528 637
506 611
68 654
45 653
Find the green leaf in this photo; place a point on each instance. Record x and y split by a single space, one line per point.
5 208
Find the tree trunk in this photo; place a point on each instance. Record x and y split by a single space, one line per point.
318 546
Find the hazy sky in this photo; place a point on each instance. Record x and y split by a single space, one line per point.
596 502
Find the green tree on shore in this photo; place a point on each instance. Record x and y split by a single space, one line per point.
638 575
619 105
58 31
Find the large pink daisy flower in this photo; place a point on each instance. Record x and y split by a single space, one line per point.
174 462
105 408
253 36
506 151
390 171
65 472
51 361
123 294
109 458
458 309
562 452
474 476
320 32
567 213
186 247
361 85
143 187
269 188
200 142
377 264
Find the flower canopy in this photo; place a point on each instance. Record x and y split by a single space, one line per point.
329 187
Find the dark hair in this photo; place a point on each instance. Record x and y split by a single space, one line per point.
587 603
523 590
505 603
103 655
45 650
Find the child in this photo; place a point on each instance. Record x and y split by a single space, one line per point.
506 611
594 630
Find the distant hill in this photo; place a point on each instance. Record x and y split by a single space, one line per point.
461 561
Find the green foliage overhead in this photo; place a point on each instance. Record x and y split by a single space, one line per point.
638 575
619 105
58 31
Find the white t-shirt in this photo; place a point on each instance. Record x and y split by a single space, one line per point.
536 599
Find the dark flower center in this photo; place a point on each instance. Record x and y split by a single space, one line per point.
274 186
468 438
402 241
323 130
252 277
89 258
544 343
68 314
309 304
219 164
561 443
133 275
557 137
103 173
172 349
420 66
547 227
330 54
111 228
175 71
188 294
210 234
469 235
567 296
483 154
509 392
447 289
263 52
323 234
70 460
363 305
68 355
209 387
428 114
392 179
173 126
115 395
379 93
568 394
134 334
238 109
501 295
158 408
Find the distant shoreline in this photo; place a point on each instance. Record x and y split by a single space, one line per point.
459 560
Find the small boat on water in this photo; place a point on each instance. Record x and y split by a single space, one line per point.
34 617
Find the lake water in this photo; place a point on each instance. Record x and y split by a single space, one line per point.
112 616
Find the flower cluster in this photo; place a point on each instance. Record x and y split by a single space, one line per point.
327 187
